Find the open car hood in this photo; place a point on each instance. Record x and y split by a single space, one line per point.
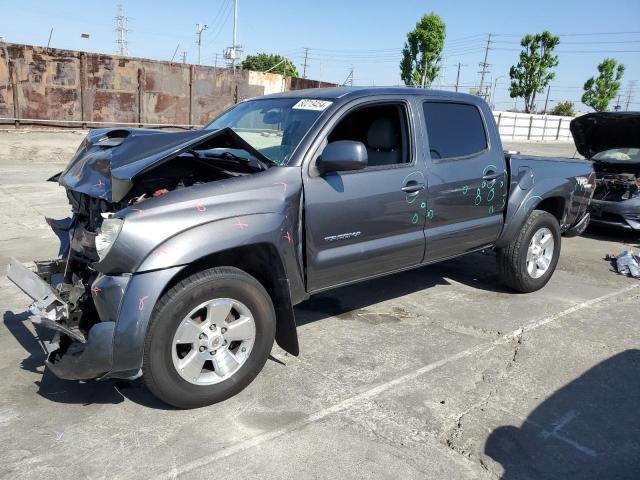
597 132
109 159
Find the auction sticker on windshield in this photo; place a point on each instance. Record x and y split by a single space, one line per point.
310 104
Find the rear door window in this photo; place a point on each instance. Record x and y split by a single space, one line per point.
454 129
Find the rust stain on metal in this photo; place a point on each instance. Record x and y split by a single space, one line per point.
66 85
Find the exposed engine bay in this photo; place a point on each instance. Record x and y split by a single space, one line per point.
616 187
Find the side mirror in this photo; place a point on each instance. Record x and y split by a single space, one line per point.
343 155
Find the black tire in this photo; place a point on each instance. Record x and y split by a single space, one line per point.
512 259
159 373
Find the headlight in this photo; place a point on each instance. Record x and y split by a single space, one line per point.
108 233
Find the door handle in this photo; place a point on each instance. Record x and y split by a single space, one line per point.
491 176
413 188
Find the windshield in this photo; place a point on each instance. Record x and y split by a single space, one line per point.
618 155
274 127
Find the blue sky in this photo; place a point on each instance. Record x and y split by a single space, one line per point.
366 34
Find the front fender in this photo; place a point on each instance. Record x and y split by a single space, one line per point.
190 246
140 296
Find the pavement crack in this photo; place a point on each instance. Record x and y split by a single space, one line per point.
517 343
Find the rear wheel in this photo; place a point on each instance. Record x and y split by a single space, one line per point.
528 262
209 337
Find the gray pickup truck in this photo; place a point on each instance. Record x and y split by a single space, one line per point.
186 251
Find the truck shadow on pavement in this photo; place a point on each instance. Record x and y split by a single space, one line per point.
589 428
477 270
67 391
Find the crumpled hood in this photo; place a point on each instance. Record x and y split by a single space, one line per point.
109 159
600 131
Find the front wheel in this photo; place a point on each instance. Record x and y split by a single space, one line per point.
527 263
209 337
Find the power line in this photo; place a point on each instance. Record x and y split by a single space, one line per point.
569 34
221 21
574 51
224 16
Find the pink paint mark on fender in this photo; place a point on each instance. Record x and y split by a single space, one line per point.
288 237
282 184
141 302
96 290
160 251
139 211
100 184
201 208
240 225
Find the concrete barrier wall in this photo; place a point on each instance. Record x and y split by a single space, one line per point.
76 88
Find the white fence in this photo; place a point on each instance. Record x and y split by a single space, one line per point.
527 126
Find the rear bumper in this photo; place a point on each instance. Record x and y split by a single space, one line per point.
579 227
624 215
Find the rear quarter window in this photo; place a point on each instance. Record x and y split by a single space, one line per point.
454 129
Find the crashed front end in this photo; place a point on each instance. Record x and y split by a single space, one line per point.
616 200
611 140
91 306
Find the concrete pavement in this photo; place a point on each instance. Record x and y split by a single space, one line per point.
434 373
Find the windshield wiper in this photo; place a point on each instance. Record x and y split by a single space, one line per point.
232 156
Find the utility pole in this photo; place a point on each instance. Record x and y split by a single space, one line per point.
546 101
493 92
304 66
50 34
234 52
632 84
184 56
215 62
458 75
122 31
199 30
618 106
484 65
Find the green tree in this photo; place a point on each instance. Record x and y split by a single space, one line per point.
532 73
271 62
598 92
422 52
564 109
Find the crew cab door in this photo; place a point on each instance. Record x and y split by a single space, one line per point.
467 178
366 222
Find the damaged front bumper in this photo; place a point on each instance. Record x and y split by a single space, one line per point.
113 346
624 215
71 354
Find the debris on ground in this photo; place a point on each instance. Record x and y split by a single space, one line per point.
625 263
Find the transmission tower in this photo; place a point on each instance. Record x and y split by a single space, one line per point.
122 32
